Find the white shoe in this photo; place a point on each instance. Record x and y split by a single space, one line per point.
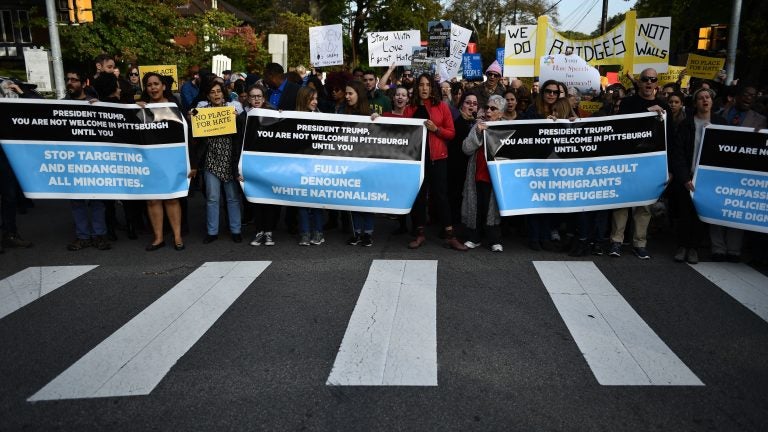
470 244
258 239
268 241
497 248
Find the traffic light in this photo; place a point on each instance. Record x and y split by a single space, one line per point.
80 11
713 37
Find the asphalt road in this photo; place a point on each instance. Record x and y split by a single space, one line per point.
506 359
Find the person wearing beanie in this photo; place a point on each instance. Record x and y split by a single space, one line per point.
492 84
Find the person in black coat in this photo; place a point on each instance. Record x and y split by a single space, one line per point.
282 93
683 154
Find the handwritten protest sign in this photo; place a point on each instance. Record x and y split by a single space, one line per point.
167 70
704 67
395 47
325 45
652 36
520 51
571 70
214 121
459 42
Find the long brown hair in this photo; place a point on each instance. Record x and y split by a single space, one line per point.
434 93
304 97
541 106
361 107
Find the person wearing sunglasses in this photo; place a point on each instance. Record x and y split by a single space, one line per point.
643 101
492 84
135 80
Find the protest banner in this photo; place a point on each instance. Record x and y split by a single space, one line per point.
571 70
731 178
333 161
395 47
520 51
420 63
459 42
212 121
704 67
438 39
473 67
78 150
545 166
325 45
167 70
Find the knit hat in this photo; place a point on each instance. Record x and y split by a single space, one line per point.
494 67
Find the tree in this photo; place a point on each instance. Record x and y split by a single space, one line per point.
297 29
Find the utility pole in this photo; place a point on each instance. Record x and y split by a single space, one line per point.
53 34
604 18
733 42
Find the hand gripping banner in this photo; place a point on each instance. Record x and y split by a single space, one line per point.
731 178
546 166
333 161
78 150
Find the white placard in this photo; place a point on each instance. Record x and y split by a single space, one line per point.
38 68
459 40
652 44
520 51
386 48
325 45
571 70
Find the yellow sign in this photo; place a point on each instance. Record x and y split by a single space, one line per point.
214 121
589 107
167 70
704 67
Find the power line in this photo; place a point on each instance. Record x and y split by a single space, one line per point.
594 3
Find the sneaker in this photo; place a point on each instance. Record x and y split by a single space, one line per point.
304 239
692 257
268 241
354 240
554 235
597 249
15 241
101 243
366 240
641 253
472 245
258 239
79 244
615 249
317 238
680 254
497 248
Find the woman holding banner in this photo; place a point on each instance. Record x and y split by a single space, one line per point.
221 158
310 219
479 210
683 151
426 104
155 91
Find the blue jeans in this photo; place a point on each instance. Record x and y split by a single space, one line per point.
97 226
362 222
213 191
310 218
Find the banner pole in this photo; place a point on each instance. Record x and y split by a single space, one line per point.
541 42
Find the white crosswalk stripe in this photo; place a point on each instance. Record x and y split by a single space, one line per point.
30 284
620 348
391 338
134 359
745 284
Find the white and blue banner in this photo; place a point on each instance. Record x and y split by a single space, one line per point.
731 178
333 161
79 150
562 166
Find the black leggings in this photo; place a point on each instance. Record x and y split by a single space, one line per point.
436 183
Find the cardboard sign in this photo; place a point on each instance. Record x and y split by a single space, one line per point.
167 70
396 47
214 121
520 51
325 45
652 37
704 67
459 42
571 70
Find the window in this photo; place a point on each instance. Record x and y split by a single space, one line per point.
6 27
24 27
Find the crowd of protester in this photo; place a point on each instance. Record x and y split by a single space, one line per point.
456 195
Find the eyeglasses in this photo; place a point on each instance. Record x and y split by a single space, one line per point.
470 103
407 75
490 108
646 79
493 75
256 96
133 74
550 91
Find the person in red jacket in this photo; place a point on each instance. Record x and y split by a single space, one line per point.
427 104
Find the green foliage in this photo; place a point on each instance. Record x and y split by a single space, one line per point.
297 29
